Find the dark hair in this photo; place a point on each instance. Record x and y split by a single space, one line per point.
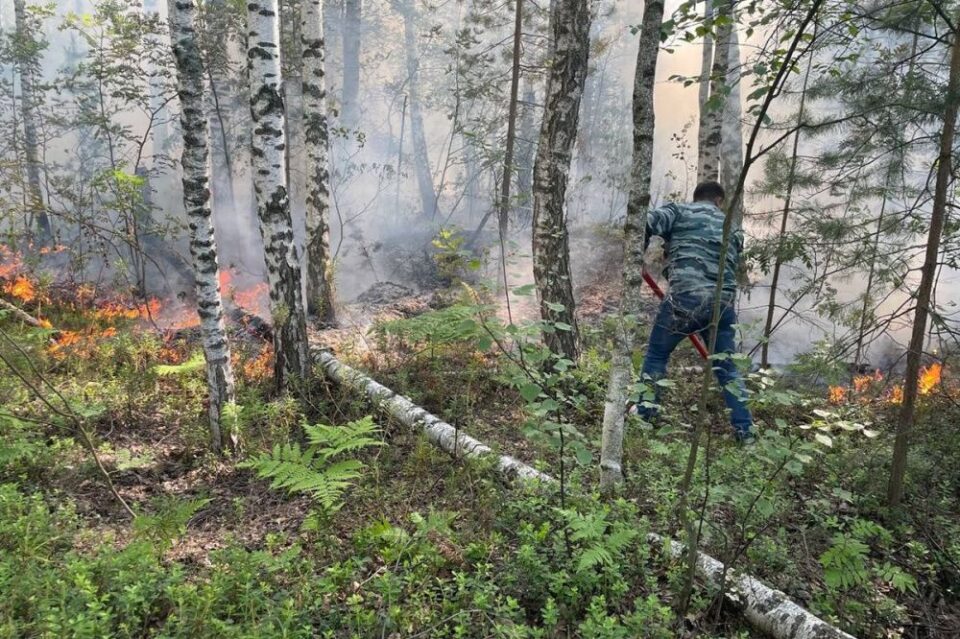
708 191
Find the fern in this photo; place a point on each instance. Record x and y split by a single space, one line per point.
602 541
316 471
168 523
845 563
195 363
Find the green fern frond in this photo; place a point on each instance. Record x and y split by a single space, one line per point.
196 362
310 471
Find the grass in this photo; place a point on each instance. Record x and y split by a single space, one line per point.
426 546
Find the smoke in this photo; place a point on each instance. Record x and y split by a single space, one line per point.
380 230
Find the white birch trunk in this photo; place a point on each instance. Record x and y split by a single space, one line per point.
765 608
352 35
569 53
446 437
196 201
731 138
320 296
421 156
268 145
31 143
706 66
711 117
611 452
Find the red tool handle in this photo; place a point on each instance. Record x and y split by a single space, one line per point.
697 342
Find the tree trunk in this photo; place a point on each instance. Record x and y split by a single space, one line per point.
569 51
711 118
625 338
320 296
352 29
218 103
292 68
196 200
525 155
784 218
421 158
871 273
438 432
769 610
504 208
25 64
731 138
927 273
706 65
269 181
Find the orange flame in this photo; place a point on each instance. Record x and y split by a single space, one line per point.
259 368
838 394
896 395
113 310
10 262
21 288
862 382
929 378
253 299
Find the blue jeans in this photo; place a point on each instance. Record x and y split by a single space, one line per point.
684 314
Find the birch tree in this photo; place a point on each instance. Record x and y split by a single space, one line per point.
196 201
711 114
421 158
927 276
320 289
352 34
625 336
569 52
27 67
731 127
706 66
268 143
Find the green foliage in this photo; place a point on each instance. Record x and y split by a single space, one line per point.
169 521
453 258
315 470
195 363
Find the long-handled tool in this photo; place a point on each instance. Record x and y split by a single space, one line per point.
697 342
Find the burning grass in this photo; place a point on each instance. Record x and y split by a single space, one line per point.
866 389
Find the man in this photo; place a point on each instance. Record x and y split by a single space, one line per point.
695 233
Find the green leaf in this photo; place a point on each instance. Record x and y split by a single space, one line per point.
196 362
530 391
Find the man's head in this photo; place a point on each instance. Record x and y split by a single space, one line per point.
710 192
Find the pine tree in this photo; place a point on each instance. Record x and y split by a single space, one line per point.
927 275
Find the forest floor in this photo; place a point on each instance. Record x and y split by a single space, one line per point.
422 545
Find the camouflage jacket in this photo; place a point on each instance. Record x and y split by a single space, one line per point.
694 232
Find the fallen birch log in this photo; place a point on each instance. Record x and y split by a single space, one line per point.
765 608
21 314
437 431
768 610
